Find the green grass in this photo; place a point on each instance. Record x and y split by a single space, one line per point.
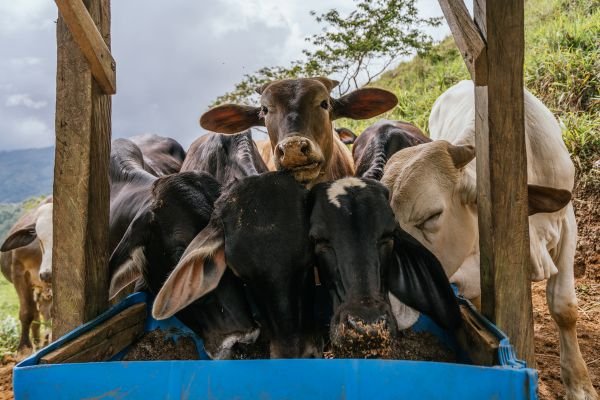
562 68
9 323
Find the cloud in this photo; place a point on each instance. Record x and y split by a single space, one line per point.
172 61
26 15
25 100
24 61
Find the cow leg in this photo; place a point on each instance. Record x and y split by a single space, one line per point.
562 302
26 312
35 326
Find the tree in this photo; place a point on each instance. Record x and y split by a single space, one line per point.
355 48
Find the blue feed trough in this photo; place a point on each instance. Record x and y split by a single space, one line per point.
272 379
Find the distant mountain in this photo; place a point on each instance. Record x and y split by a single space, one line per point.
25 173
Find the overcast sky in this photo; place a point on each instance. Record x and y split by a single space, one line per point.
173 59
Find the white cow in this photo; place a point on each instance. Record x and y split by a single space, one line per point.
433 194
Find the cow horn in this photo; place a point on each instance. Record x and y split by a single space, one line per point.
329 83
461 155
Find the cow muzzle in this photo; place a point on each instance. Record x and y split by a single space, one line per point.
300 156
363 331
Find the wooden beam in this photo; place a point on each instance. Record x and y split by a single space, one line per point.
467 37
477 340
502 175
91 43
81 191
103 342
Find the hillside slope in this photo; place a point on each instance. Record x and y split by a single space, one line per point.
25 173
562 67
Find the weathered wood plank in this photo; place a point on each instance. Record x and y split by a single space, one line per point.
467 37
502 176
81 191
480 345
91 43
103 342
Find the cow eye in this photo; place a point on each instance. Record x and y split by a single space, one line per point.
430 223
325 104
322 245
385 240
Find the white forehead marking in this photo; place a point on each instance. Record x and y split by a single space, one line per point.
338 188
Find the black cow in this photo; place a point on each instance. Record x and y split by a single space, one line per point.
362 255
379 142
259 231
155 219
226 157
162 155
179 207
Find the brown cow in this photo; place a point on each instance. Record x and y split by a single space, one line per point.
27 262
266 151
299 115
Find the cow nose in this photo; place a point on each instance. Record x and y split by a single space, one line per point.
367 327
294 152
46 276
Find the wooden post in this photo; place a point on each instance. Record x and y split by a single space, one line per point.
81 191
502 174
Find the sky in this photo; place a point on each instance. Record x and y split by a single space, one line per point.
173 59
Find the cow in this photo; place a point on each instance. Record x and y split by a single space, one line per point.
366 260
433 195
259 231
226 157
162 155
299 115
158 217
376 144
266 151
26 260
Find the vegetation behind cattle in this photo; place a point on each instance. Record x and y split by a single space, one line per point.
562 64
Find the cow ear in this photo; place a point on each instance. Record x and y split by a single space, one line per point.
418 280
330 84
543 199
20 238
364 103
197 273
128 260
231 118
346 135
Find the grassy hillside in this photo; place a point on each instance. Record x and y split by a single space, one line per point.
25 173
562 67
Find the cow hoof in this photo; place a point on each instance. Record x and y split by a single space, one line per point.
23 353
586 392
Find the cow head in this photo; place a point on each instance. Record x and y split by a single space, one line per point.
259 231
362 256
41 229
153 244
434 198
298 114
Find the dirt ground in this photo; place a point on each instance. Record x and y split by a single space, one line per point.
6 381
587 286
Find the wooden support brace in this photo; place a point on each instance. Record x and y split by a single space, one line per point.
91 43
81 189
502 175
468 39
